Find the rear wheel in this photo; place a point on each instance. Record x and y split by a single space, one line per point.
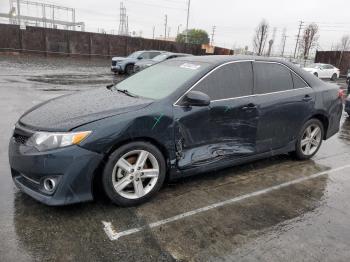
309 140
134 173
334 77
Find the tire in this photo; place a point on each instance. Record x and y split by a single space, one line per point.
316 74
124 187
302 148
129 69
334 77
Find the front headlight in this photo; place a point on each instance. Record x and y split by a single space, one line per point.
46 140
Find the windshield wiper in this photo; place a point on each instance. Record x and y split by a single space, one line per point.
113 87
124 91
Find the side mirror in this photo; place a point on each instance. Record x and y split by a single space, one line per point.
139 58
196 98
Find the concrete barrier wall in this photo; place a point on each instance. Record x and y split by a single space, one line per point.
335 58
74 43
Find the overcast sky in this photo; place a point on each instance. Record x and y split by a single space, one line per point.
235 21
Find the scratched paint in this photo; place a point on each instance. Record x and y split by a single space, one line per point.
157 120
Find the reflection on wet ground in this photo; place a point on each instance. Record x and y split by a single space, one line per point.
305 221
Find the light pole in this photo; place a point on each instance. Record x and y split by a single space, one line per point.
188 17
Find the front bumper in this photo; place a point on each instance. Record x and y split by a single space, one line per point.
73 167
116 69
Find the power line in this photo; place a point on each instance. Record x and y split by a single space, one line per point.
155 5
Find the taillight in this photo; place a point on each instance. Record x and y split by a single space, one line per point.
341 94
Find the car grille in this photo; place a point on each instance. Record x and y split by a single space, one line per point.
114 63
21 135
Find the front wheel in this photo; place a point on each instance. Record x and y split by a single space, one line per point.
334 77
309 140
134 173
129 69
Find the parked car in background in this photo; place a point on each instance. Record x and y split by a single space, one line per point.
125 65
326 71
159 58
348 75
181 117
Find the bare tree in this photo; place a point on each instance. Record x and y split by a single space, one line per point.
343 46
345 43
271 42
260 37
309 39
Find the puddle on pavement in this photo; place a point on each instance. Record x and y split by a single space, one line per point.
210 233
66 79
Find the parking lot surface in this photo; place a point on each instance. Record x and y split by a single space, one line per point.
276 209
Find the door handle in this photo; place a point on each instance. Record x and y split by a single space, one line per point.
307 98
249 107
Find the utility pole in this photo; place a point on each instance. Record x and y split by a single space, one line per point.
123 21
165 26
127 24
284 39
188 17
178 29
298 37
154 29
169 28
19 12
212 35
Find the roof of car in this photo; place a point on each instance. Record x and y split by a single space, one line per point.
217 60
173 53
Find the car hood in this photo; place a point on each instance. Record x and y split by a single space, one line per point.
118 58
69 111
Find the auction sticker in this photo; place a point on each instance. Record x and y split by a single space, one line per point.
190 66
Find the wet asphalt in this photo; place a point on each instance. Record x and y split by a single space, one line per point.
307 220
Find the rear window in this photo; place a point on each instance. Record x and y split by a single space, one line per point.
271 77
162 79
298 82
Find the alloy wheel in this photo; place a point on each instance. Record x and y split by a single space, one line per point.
135 174
311 140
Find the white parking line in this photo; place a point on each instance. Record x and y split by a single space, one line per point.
113 235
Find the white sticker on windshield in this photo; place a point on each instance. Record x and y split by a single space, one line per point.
190 66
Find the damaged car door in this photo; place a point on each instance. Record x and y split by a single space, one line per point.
285 102
224 129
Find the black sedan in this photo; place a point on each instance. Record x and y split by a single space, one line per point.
180 117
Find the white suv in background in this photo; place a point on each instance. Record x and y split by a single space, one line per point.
323 71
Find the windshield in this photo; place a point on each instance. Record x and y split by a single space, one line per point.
161 80
135 54
160 58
